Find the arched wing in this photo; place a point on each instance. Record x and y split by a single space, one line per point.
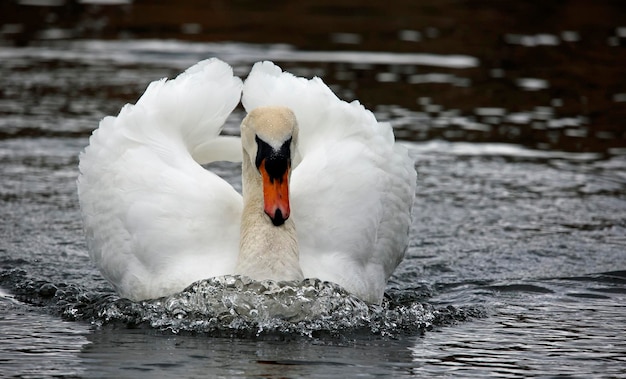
155 219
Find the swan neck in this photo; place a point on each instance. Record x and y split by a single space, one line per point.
266 251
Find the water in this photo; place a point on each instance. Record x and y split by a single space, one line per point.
517 261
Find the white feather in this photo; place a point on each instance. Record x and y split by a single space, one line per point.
155 219
352 191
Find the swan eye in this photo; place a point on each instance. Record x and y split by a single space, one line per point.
276 161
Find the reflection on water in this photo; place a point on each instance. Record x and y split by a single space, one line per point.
516 263
558 71
149 355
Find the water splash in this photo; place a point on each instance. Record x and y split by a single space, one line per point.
239 306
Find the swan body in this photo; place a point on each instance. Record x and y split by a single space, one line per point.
326 191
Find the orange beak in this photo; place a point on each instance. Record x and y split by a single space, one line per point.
276 195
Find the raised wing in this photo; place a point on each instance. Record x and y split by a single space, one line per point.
155 219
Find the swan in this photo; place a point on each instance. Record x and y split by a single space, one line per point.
326 191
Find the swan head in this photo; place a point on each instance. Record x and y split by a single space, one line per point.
269 136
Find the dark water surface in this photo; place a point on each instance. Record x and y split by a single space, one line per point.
514 114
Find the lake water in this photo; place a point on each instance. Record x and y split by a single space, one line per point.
513 112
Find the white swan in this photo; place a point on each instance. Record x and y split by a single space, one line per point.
326 191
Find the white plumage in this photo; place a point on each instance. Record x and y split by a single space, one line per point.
156 221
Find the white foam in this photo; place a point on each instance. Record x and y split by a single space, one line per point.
178 53
491 149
